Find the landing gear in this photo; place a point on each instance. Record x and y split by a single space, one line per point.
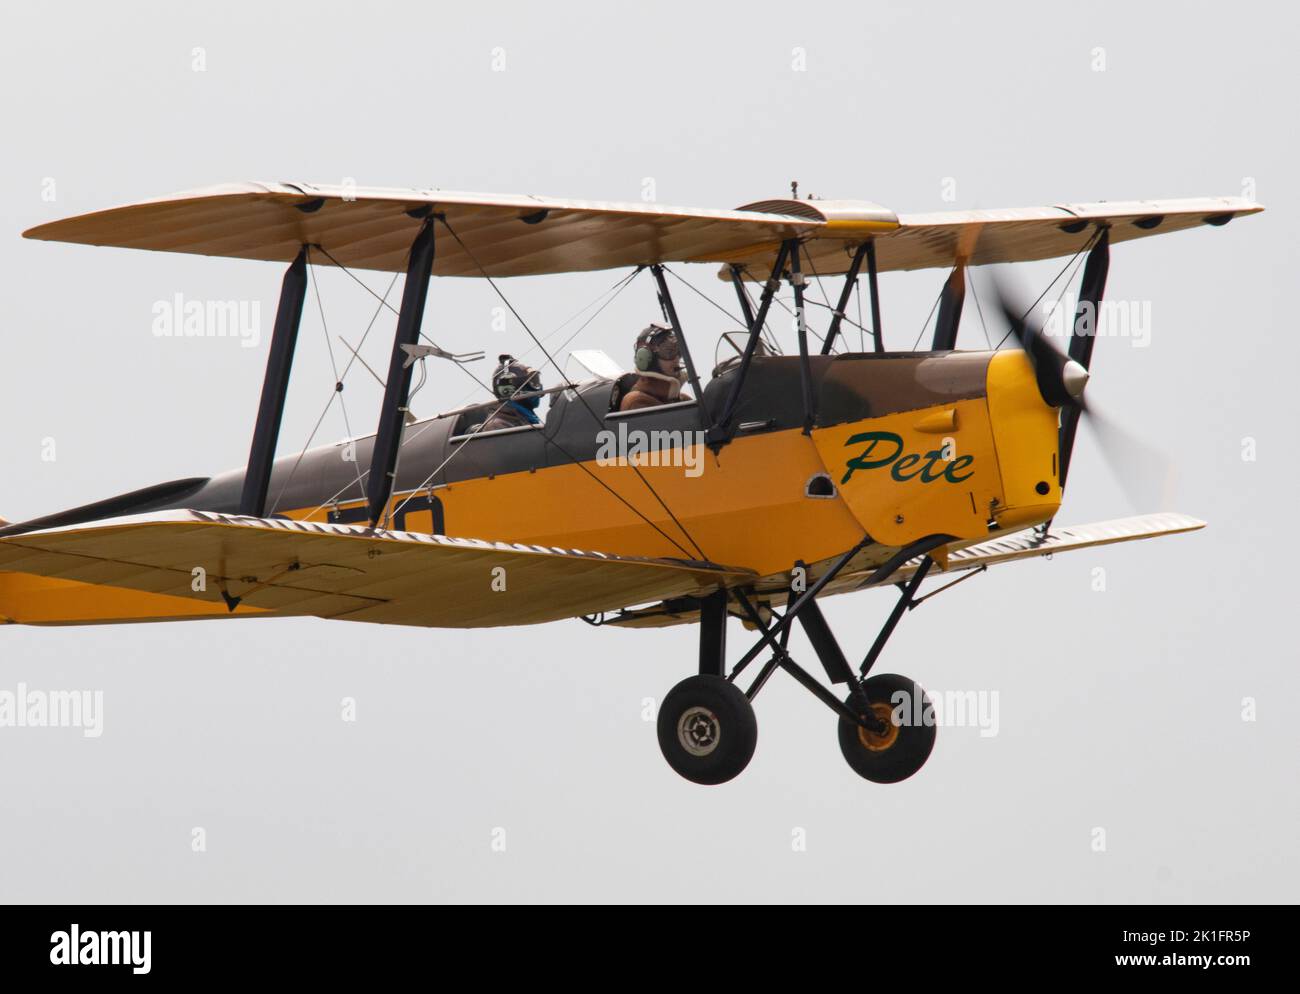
902 729
707 729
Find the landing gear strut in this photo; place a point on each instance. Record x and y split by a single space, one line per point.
707 728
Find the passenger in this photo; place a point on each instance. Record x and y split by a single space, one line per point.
659 371
511 378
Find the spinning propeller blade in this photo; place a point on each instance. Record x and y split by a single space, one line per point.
1062 379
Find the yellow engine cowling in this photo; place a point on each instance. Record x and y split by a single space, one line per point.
1026 432
960 468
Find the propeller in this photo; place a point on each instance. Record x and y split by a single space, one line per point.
1063 379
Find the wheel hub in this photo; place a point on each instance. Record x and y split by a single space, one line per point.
698 731
886 737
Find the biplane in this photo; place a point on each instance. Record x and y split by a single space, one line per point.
824 471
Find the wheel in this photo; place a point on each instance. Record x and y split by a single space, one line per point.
707 729
904 746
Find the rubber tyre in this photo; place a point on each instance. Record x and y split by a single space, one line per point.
901 751
707 729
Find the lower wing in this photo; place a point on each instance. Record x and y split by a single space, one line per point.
1028 544
179 565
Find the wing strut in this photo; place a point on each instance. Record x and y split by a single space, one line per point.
850 281
670 312
1084 335
801 328
746 308
279 363
720 432
951 298
872 281
392 416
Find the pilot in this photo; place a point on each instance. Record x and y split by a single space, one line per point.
509 379
659 371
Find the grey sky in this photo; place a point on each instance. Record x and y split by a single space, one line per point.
1118 709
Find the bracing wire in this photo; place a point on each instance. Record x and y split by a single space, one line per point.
329 345
1029 310
926 323
335 393
974 292
536 341
383 302
617 288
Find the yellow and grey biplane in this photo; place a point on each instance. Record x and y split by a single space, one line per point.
823 472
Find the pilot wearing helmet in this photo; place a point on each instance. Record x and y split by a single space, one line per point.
659 371
511 380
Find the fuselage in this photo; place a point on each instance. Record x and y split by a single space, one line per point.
903 446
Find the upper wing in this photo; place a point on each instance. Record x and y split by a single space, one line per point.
187 564
1027 544
509 235
514 235
982 237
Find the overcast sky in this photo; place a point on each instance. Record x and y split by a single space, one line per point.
1118 709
